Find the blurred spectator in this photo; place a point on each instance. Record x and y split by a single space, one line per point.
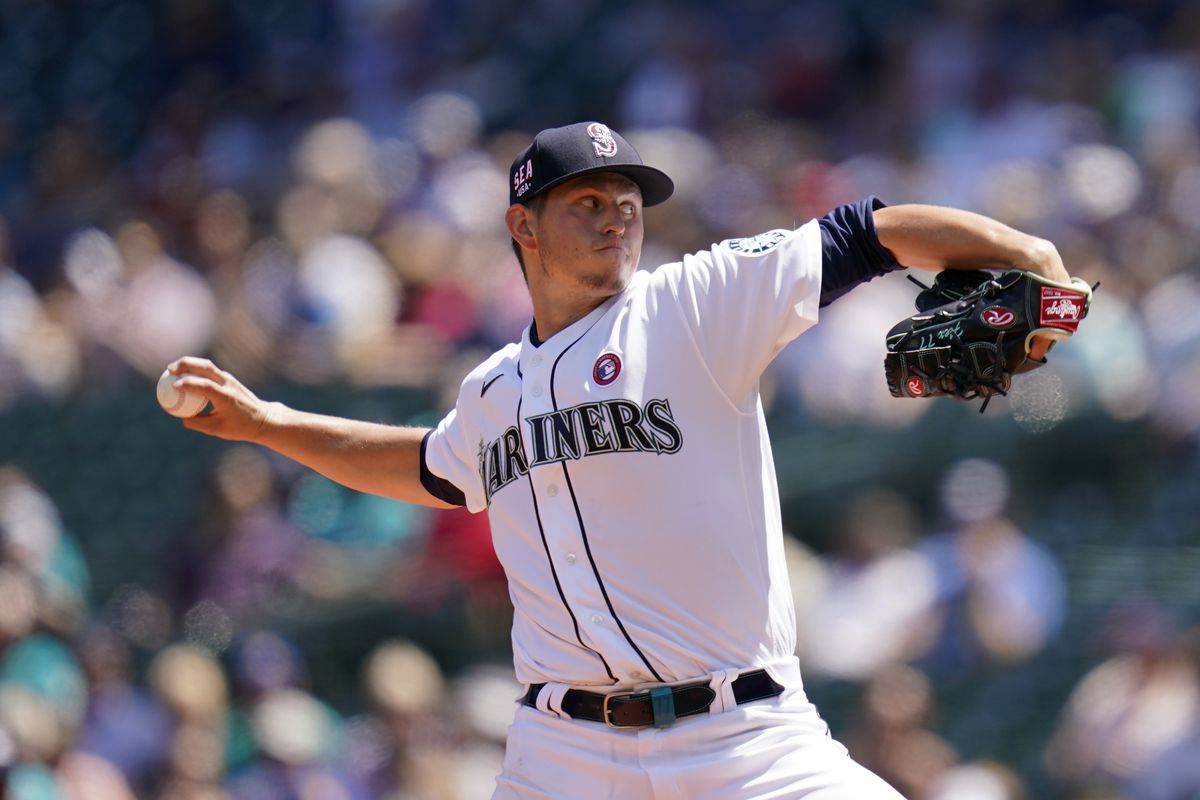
252 551
125 725
406 747
978 780
483 703
1128 716
878 593
459 567
136 300
191 683
1000 596
250 285
84 776
42 702
1174 339
264 661
892 734
1175 771
39 550
298 741
38 355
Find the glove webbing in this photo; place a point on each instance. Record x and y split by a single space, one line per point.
960 377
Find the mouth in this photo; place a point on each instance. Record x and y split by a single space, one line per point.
620 247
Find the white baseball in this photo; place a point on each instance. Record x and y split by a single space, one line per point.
175 402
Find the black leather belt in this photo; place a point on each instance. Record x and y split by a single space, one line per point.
658 706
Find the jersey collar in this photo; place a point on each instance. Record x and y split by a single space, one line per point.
551 347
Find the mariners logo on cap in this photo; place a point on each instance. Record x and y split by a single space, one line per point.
602 139
608 367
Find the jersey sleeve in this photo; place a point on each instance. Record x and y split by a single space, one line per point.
743 300
448 467
851 252
438 487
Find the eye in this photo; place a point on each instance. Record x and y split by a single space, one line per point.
628 210
590 202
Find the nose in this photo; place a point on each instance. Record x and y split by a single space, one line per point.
613 222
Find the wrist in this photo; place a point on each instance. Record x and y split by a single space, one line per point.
269 420
1041 257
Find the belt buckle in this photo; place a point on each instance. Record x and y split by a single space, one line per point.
662 706
604 712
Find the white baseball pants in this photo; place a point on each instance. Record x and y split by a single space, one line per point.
768 749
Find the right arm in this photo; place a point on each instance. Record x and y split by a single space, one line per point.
365 456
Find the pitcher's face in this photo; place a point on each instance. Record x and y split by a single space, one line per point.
589 233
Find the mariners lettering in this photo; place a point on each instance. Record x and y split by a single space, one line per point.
569 434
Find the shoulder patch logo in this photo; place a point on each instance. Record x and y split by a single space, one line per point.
608 367
757 245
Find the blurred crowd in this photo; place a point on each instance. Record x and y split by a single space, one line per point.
137 698
198 688
314 190
904 610
311 192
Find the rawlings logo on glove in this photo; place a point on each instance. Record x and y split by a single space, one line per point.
1062 308
976 330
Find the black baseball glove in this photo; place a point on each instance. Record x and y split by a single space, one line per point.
975 332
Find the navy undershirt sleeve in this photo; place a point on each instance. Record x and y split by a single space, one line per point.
850 250
440 488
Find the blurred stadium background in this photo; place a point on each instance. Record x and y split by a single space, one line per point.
310 191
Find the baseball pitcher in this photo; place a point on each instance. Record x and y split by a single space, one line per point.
621 454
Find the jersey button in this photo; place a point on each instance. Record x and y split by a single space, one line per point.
537 359
537 391
570 558
597 619
552 490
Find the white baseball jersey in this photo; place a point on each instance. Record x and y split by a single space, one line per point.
627 475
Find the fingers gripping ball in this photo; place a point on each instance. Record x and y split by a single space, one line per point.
977 329
175 402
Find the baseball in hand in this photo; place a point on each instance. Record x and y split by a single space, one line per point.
175 402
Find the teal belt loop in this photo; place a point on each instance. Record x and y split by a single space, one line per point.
662 703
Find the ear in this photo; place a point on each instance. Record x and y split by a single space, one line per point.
522 225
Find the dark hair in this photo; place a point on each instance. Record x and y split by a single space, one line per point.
534 204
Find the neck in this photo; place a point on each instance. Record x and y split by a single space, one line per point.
551 318
558 304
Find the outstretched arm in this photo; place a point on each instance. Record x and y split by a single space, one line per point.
365 456
935 238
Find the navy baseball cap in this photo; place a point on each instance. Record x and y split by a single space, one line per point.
558 154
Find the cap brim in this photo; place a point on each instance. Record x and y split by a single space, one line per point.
654 184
